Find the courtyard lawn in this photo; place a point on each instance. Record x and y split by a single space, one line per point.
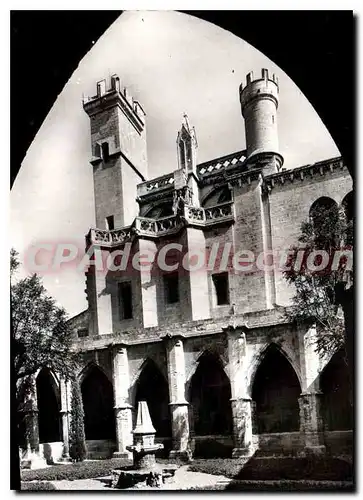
272 469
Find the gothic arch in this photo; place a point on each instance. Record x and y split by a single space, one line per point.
275 393
348 205
259 356
49 406
90 366
152 387
216 196
97 397
324 203
163 209
194 366
209 392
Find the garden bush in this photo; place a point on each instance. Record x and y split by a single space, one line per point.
77 440
273 486
80 470
228 467
37 486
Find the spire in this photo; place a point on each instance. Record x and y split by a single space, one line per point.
143 422
187 146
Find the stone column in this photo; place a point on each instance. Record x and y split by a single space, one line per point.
32 458
31 416
241 402
123 409
310 401
311 422
65 391
178 404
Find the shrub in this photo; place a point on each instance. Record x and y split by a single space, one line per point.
80 470
77 441
272 486
37 486
228 467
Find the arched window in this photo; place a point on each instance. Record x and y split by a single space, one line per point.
324 216
97 396
348 207
217 196
210 394
161 210
334 384
152 387
275 392
48 407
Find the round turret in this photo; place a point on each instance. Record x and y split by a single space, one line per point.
259 103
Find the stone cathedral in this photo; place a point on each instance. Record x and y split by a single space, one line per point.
211 351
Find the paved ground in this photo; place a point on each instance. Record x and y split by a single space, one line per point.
183 480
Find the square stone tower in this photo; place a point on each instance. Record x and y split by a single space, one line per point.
119 154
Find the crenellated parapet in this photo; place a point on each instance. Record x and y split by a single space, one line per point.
115 95
301 174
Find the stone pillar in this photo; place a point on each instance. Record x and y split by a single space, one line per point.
31 416
65 391
241 402
123 409
311 422
178 404
32 458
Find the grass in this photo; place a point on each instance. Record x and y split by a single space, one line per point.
271 469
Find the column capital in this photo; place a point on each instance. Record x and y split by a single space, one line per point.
235 329
123 406
311 393
173 338
117 347
244 399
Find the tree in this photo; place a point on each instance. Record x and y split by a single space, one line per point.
318 293
40 334
77 442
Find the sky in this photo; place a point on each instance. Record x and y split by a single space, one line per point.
173 64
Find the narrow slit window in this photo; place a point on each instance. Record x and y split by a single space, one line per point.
171 288
82 332
125 300
110 222
221 288
105 151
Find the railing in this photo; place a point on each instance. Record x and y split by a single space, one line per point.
208 216
162 182
156 228
107 238
221 163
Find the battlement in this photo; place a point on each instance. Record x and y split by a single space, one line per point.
261 88
105 97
